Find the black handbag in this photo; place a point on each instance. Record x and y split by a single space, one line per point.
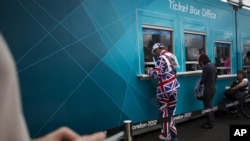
199 90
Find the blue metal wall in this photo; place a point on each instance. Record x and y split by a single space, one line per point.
78 60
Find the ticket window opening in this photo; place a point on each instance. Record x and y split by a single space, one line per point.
223 58
246 57
194 46
152 35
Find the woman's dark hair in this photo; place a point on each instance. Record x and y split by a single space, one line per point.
203 59
244 74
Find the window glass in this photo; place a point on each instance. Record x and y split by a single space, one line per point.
246 57
223 58
194 46
152 36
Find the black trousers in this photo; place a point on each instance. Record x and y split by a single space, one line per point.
207 101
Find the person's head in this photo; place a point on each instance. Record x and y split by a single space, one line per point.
241 74
157 48
203 59
200 51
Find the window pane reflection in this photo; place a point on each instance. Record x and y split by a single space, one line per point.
152 36
194 46
223 58
246 57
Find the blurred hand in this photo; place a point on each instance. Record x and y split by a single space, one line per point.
147 69
66 134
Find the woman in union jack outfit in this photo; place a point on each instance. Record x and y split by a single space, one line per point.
166 93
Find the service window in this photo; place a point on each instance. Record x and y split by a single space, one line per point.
194 46
223 58
246 57
152 35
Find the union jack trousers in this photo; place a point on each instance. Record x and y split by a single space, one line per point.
167 107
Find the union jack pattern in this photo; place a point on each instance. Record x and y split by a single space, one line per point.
166 76
166 92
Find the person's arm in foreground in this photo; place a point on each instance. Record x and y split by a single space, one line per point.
12 123
66 134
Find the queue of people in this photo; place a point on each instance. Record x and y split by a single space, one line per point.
167 87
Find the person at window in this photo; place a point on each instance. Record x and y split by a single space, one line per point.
247 59
12 122
166 91
201 51
246 62
227 63
219 60
209 77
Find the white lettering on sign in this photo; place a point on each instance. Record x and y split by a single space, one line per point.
185 8
240 132
208 13
152 123
194 11
139 126
144 125
178 6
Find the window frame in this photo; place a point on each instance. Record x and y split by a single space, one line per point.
245 67
205 49
157 28
230 53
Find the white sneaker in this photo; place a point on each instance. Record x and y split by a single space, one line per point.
161 137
